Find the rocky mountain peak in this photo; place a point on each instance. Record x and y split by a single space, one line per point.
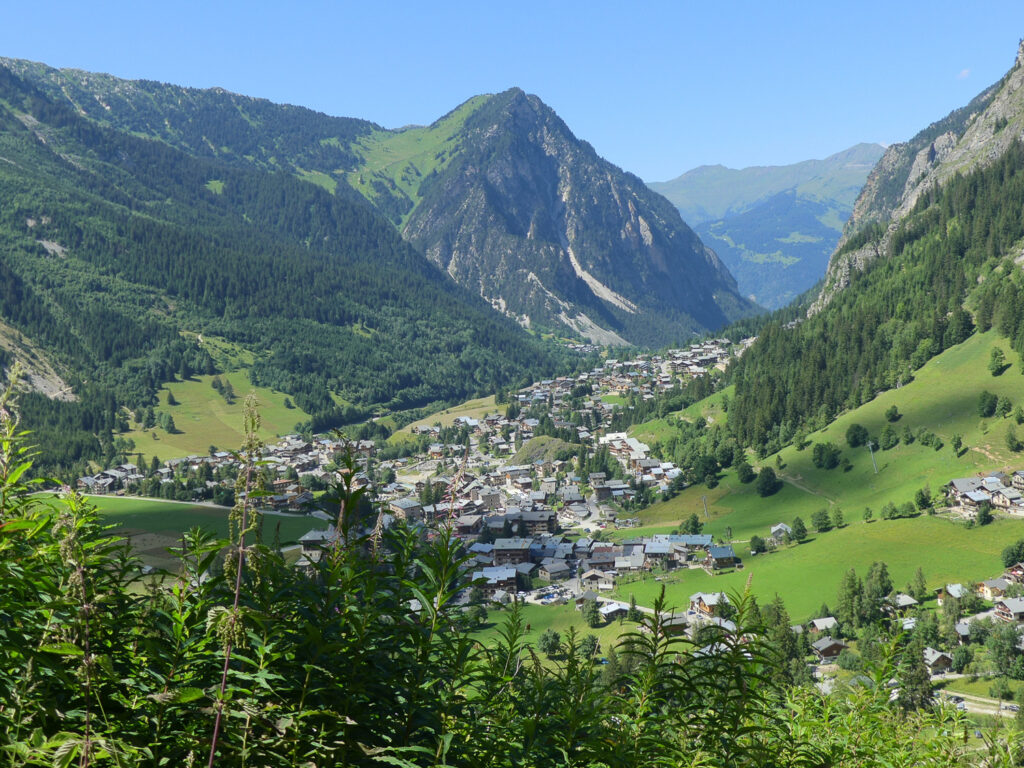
539 224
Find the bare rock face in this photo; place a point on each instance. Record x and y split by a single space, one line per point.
966 139
535 221
841 270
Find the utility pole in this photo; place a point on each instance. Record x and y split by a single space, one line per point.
871 447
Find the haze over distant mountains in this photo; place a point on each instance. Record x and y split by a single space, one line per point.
773 226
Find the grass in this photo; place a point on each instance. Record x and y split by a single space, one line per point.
153 525
320 179
808 574
557 617
654 431
978 687
711 408
216 186
660 430
540 448
943 398
227 354
203 418
158 516
402 159
474 409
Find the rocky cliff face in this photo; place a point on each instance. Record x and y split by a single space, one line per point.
967 138
531 218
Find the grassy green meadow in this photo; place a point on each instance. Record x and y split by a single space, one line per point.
808 574
153 525
203 418
943 398
659 430
557 617
402 159
474 409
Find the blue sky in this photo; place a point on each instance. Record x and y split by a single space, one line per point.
655 87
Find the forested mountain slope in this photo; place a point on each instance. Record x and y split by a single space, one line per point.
966 139
498 193
112 245
938 272
209 123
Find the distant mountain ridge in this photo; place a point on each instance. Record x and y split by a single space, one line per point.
498 193
712 192
773 226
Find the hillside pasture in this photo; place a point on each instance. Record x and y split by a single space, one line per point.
943 399
153 525
808 574
473 409
202 417
560 618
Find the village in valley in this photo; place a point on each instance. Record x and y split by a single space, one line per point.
546 525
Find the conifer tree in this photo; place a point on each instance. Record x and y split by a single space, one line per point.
799 529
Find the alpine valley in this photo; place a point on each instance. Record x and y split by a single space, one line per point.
537 481
774 226
351 267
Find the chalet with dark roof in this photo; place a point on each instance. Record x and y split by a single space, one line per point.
720 557
511 551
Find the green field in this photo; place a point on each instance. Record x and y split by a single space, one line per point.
654 431
711 407
943 398
540 448
982 686
153 525
203 418
402 159
659 430
474 409
557 617
808 574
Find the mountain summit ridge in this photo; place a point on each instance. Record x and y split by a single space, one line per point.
535 220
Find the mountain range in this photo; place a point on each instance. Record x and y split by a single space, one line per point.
128 262
773 226
150 230
498 194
